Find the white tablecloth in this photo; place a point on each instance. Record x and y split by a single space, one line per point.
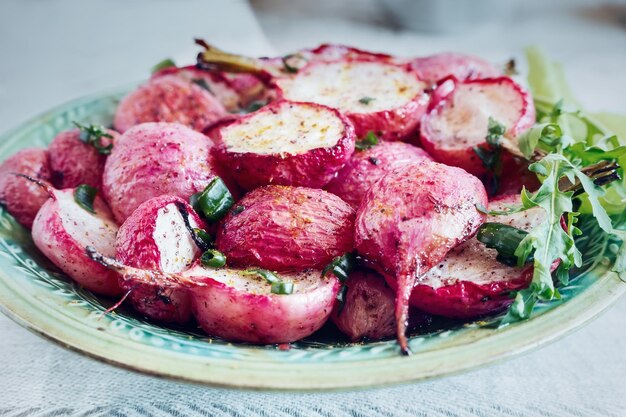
57 50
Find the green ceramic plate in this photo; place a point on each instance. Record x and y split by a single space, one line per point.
40 298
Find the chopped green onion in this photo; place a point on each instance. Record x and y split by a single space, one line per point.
84 195
166 63
368 142
92 135
202 239
505 239
293 62
214 201
366 100
213 259
238 209
282 288
279 286
340 266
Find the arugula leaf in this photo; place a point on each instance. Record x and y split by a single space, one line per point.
368 142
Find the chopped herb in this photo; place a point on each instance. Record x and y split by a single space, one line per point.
368 142
366 100
166 63
254 106
510 68
214 201
201 82
374 161
84 195
92 135
213 259
238 209
278 286
293 62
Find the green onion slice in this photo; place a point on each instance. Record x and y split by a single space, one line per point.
213 259
505 239
214 201
84 195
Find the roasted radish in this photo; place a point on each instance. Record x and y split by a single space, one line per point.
376 96
367 309
411 218
369 165
285 143
70 221
22 197
459 122
77 156
159 235
470 282
436 67
154 159
254 306
286 228
169 99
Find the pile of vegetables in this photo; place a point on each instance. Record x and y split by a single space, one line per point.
265 197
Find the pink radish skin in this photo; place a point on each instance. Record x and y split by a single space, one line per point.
287 228
368 166
154 159
168 99
411 218
368 308
458 122
233 93
436 67
21 197
469 282
74 162
376 95
155 238
285 143
240 308
63 229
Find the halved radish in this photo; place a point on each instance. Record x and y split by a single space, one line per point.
21 197
436 67
286 228
410 219
239 306
377 96
459 122
63 229
74 162
469 282
368 307
168 99
234 91
285 143
154 159
157 236
369 165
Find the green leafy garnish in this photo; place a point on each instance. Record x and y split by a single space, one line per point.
92 135
214 201
278 285
575 155
84 196
366 100
368 142
166 63
213 259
